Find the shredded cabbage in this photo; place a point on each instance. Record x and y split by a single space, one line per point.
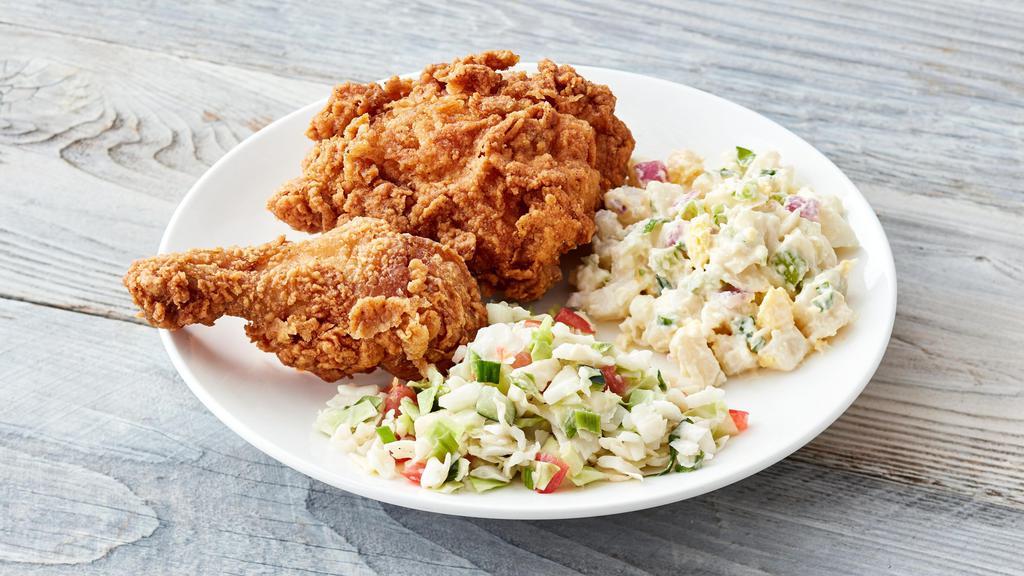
473 435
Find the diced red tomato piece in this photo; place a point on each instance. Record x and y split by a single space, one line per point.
739 418
413 470
531 323
571 319
393 400
613 381
556 480
522 359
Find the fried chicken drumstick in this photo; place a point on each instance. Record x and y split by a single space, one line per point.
504 167
355 298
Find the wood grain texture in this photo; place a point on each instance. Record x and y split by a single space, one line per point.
109 111
94 161
166 489
89 514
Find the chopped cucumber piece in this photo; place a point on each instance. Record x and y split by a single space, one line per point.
386 435
485 370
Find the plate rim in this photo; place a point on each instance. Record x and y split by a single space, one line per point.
478 508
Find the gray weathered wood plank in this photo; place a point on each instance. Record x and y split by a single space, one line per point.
94 413
93 163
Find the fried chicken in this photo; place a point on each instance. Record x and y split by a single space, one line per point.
348 301
504 167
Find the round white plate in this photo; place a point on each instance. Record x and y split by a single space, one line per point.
273 407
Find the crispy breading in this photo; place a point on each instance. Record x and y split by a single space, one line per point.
348 301
505 168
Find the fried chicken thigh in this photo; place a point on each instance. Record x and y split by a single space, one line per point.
355 298
504 167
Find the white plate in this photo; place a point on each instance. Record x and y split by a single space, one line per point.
273 407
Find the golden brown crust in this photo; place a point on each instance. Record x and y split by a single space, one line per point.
505 168
350 101
355 298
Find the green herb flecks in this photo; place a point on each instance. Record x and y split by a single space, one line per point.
652 224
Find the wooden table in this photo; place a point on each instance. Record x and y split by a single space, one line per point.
109 111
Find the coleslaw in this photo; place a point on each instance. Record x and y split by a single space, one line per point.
535 399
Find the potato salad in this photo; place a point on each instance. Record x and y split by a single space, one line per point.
537 400
726 269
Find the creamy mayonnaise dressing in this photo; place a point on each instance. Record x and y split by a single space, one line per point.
726 269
